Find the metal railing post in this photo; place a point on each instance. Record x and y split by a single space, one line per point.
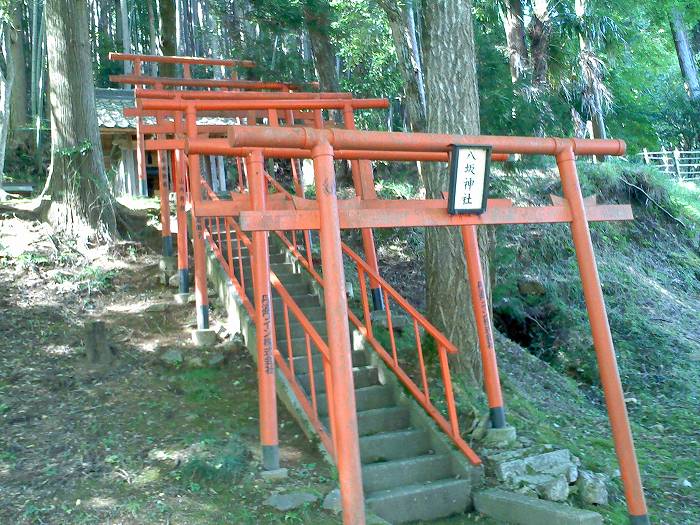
363 181
264 326
602 339
345 415
482 316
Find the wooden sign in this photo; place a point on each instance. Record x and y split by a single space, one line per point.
469 179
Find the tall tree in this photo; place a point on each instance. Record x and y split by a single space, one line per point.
6 82
540 30
514 25
401 16
168 35
594 92
684 50
317 17
452 107
18 105
79 197
126 33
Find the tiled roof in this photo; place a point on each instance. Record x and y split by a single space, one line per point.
110 110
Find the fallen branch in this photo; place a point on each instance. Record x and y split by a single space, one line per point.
654 201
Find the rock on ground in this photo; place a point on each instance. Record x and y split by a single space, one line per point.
293 500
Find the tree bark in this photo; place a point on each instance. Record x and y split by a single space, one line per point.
514 26
126 34
80 202
6 84
402 23
686 59
18 104
168 35
317 19
452 107
540 30
152 36
592 73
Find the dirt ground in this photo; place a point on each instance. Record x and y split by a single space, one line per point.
141 441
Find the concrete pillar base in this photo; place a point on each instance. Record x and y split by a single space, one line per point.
181 298
204 337
500 437
168 265
275 475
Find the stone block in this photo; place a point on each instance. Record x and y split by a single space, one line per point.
519 509
592 487
500 437
204 337
274 475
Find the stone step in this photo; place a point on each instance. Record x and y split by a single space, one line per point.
362 377
511 507
314 313
305 300
296 330
421 501
301 362
402 472
366 398
389 446
382 420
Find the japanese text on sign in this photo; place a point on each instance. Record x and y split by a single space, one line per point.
469 179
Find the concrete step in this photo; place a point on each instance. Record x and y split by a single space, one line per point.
301 363
421 501
366 398
296 330
296 287
402 472
275 258
362 376
382 420
306 300
388 446
313 313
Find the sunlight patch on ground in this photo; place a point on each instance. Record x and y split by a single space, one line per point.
59 350
100 502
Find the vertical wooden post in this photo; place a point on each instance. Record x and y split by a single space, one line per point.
264 324
602 339
141 159
164 188
363 181
200 258
345 415
677 162
482 316
179 165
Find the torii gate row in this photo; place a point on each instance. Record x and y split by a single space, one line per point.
330 217
176 106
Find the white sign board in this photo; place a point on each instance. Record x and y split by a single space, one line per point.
469 178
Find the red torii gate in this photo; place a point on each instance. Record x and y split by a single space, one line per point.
328 215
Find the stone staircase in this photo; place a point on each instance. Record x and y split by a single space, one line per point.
409 470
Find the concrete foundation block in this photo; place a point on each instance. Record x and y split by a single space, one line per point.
275 475
525 510
168 265
181 298
500 437
204 337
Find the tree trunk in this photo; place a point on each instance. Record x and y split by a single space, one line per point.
126 34
18 104
514 26
152 36
592 73
317 19
686 59
453 107
402 24
168 35
540 31
80 203
6 82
